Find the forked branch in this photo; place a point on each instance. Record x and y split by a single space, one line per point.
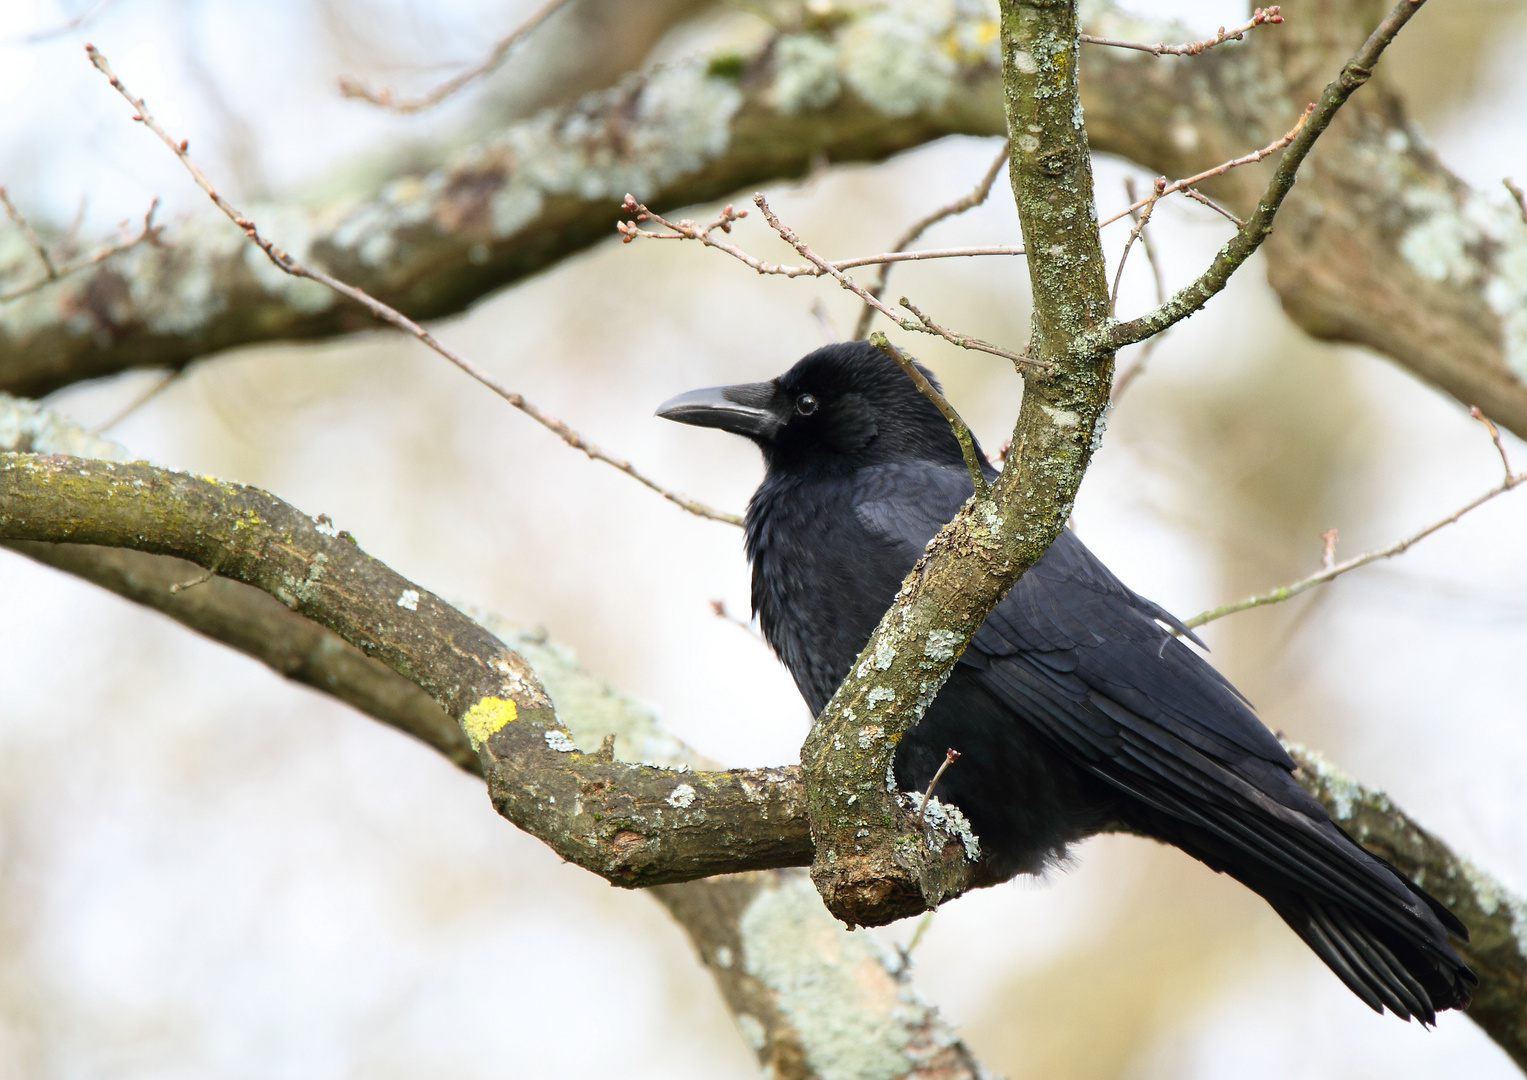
1357 71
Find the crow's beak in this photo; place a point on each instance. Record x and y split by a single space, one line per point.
751 409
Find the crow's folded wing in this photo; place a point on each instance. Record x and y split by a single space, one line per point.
1078 655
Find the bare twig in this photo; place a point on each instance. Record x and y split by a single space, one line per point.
1125 378
32 239
961 430
1199 196
974 198
1494 431
685 229
354 88
1193 48
148 232
950 757
291 265
1333 569
165 379
922 324
1141 219
1328 555
1519 195
1218 170
1300 141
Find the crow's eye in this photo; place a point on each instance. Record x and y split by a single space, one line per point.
806 404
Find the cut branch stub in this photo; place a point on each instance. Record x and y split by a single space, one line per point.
633 825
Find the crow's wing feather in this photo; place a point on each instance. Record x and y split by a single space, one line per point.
1080 656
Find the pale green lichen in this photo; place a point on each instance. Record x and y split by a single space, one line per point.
587 706
805 73
1492 896
635 137
1472 244
891 57
838 990
26 428
940 645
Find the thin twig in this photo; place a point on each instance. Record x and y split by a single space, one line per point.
1199 196
1230 258
1193 48
354 88
291 265
149 233
950 757
1126 378
1141 219
685 229
1218 170
974 198
922 324
962 434
138 402
32 239
1333 569
1519 195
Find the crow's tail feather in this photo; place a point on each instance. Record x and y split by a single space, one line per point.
1380 966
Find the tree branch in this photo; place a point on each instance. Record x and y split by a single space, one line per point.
756 933
1357 71
872 863
1193 48
430 242
1427 280
633 825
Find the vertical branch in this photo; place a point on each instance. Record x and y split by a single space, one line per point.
871 864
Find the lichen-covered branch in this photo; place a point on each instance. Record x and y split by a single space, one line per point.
1355 73
516 202
874 863
633 825
811 1000
1378 244
1495 916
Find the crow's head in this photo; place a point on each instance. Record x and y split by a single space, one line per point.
843 406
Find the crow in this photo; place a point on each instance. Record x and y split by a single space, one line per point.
1075 707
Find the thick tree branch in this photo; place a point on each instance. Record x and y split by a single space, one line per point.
808 997
1379 245
634 825
518 201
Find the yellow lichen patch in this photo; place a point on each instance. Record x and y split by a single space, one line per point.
487 716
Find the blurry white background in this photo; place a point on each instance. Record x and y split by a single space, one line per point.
206 871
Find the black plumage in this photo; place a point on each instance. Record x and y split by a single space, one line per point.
1073 707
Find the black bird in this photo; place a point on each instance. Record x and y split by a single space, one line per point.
1073 707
